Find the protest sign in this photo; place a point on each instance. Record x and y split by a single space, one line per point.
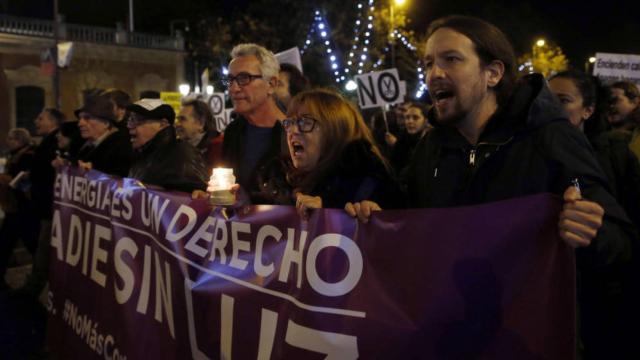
617 67
139 273
379 88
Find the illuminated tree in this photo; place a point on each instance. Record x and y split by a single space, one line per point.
546 59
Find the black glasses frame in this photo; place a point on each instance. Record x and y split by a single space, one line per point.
305 124
242 79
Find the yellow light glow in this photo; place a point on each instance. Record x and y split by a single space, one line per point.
399 2
540 42
592 59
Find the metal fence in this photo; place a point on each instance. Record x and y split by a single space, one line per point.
93 34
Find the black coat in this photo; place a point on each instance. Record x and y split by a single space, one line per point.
357 175
170 163
19 160
112 156
42 176
529 147
622 169
233 152
403 150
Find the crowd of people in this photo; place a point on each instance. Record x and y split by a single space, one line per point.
487 135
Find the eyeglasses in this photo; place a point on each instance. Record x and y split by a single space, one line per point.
304 123
242 79
136 120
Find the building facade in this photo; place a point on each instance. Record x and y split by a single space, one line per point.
102 58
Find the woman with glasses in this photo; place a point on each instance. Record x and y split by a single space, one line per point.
333 159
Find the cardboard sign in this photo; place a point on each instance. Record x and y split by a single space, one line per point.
617 67
379 88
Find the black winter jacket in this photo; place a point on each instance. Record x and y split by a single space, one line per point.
528 147
19 160
622 169
403 150
170 163
357 175
112 156
233 152
43 175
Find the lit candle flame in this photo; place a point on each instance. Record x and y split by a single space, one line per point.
221 179
220 184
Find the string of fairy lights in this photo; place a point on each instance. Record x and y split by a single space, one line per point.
358 55
422 85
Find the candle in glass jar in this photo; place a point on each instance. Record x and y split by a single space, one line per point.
220 185
221 179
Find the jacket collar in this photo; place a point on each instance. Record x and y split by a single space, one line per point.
531 105
163 138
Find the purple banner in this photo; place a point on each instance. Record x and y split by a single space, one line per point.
138 273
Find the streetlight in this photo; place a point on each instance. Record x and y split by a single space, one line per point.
538 44
184 89
589 63
393 35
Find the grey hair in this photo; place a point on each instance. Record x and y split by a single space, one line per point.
269 65
22 135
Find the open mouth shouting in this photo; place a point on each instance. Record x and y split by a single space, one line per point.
442 97
305 150
296 148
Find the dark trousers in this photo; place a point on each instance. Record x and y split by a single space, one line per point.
39 276
17 225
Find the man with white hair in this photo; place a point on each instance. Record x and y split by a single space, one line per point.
256 136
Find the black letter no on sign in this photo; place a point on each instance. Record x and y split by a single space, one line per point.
388 87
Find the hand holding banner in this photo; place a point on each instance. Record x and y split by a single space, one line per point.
146 274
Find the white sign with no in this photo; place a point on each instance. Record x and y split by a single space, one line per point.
378 88
216 102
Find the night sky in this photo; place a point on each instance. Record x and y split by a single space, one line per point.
581 28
